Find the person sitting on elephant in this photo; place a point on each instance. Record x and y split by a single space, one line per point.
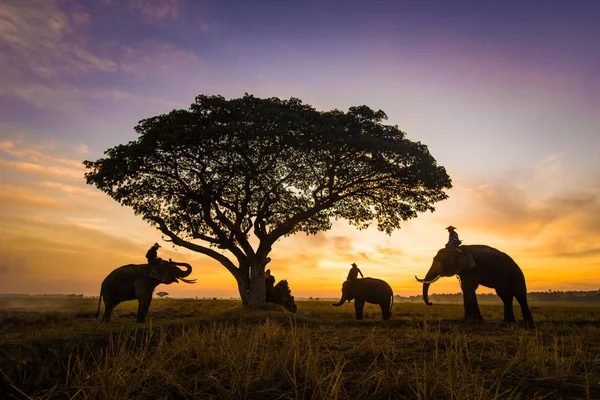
353 273
152 254
453 241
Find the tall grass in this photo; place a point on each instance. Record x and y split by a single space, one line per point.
230 354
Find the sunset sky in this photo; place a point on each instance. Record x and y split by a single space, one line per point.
506 94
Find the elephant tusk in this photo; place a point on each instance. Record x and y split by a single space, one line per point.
431 281
188 280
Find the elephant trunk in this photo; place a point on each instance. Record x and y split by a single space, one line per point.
425 294
188 269
432 276
182 274
342 301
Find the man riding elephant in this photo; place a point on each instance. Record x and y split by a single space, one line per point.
152 254
353 273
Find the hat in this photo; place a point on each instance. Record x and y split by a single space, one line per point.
450 228
156 245
354 265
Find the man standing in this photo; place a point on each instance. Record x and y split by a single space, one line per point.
353 273
269 283
152 254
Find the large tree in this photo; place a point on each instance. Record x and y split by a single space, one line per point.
228 178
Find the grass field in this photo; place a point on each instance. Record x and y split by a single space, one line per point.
192 349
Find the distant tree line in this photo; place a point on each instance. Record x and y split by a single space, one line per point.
549 296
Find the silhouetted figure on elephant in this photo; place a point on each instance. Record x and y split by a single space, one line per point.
152 254
282 295
455 243
353 273
453 240
481 265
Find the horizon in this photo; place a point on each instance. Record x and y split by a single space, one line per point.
502 94
416 297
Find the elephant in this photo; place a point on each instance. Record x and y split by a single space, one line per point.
282 295
481 265
138 281
370 290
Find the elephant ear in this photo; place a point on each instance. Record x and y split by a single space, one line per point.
161 273
464 260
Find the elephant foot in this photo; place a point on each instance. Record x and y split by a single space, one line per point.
529 324
474 319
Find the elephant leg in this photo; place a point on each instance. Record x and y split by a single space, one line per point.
472 313
358 308
507 299
108 309
527 317
385 310
144 297
143 306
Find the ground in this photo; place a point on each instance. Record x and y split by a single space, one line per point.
189 349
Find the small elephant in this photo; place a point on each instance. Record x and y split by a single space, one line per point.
369 290
138 281
282 295
481 265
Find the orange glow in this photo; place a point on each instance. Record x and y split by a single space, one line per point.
59 235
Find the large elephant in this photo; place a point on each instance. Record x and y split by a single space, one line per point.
369 290
138 281
488 267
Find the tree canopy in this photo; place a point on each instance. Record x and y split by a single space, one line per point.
214 176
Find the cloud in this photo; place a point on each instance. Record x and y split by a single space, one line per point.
49 48
56 95
24 197
44 40
39 159
157 10
153 58
35 153
78 257
82 150
70 189
43 48
43 169
533 211
508 210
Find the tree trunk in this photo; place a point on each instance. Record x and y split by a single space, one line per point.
251 282
244 289
258 290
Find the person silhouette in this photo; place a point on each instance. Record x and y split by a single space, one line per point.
152 254
453 241
269 283
353 273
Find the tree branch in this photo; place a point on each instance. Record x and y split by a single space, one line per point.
162 226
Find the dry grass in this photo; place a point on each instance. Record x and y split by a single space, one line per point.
216 350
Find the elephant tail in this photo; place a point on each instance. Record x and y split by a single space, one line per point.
99 300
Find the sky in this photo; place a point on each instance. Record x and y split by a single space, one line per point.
506 95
